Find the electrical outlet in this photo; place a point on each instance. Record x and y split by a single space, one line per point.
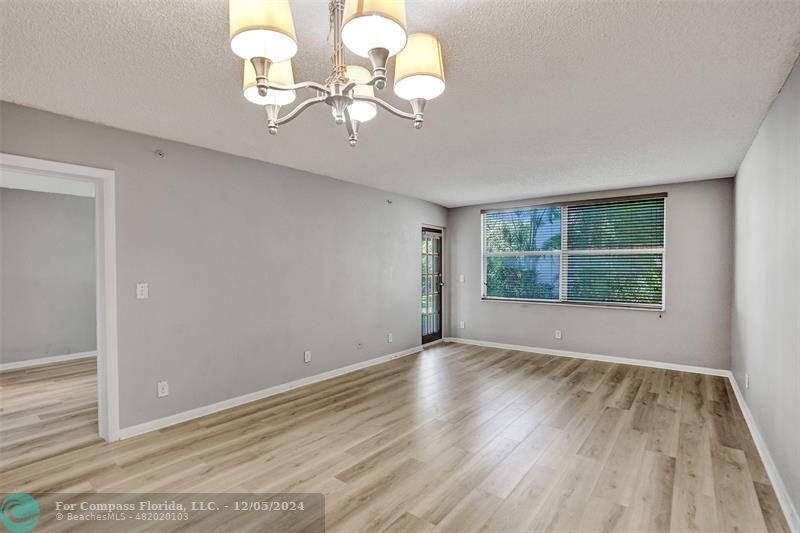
461 324
142 291
558 334
307 356
747 381
163 389
389 338
359 345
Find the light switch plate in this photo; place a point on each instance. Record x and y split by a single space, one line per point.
163 389
142 291
307 356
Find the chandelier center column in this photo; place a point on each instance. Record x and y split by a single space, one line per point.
338 98
339 69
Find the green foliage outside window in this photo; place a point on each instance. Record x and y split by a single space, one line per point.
534 277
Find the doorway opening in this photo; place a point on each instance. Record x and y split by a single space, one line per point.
432 284
90 376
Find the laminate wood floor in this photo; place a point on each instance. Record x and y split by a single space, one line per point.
454 439
47 410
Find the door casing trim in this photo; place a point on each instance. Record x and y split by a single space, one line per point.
106 268
445 288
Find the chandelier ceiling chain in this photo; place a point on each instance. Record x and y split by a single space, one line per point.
262 33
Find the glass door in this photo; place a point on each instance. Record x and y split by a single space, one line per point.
432 284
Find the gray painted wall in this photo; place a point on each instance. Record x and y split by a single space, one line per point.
766 316
47 274
694 329
249 264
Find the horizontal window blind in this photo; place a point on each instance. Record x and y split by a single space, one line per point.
607 252
523 254
634 224
535 277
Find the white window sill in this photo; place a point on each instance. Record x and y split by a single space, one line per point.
659 310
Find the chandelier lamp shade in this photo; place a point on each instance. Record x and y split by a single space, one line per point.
361 110
419 68
280 73
262 29
262 33
374 25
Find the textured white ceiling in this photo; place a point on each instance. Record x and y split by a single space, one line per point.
542 97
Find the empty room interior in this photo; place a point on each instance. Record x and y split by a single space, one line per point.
308 266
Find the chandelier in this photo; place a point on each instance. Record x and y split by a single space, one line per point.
262 33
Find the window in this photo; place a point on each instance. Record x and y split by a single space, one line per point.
603 252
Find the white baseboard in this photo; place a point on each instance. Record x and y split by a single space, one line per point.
153 425
46 360
595 357
433 343
789 510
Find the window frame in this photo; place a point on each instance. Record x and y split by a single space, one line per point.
561 252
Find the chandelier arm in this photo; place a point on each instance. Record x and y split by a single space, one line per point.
386 105
352 83
299 108
296 86
350 86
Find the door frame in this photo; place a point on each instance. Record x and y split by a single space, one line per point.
106 275
443 311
